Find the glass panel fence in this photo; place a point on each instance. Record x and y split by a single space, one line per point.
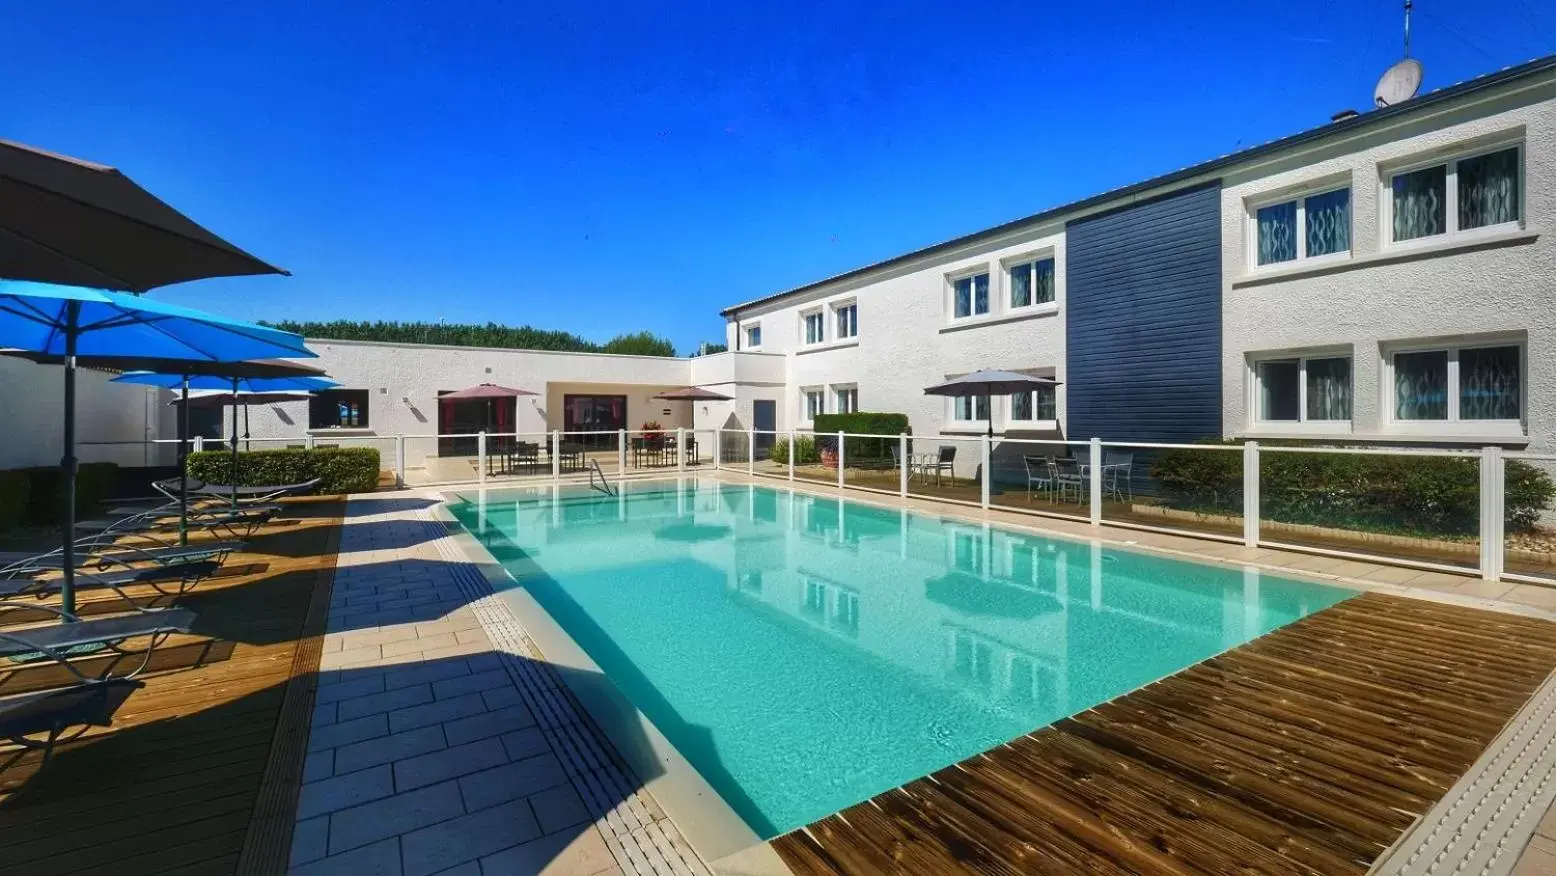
1192 488
1414 505
1529 516
870 462
941 467
815 458
771 449
734 449
1039 477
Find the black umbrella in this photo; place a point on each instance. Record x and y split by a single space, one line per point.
988 384
75 223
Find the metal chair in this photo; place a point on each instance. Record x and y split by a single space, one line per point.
944 463
1039 474
1067 474
1116 465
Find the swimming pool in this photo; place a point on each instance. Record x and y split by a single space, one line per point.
804 653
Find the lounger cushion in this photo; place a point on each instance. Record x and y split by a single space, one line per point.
91 703
96 631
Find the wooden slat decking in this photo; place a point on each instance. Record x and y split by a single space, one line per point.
1310 750
172 787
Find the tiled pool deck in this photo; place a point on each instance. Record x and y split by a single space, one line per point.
444 743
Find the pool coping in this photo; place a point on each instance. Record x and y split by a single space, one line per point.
695 804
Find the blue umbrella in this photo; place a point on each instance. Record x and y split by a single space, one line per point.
70 322
234 385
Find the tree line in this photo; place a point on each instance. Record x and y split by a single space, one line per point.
473 335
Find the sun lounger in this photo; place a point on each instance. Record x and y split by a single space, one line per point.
51 714
249 495
55 641
116 555
238 524
170 580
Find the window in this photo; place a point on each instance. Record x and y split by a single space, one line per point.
1460 384
815 328
845 611
970 408
847 321
847 399
812 402
753 336
1040 404
971 660
1463 194
970 296
338 409
1031 283
1305 227
1303 390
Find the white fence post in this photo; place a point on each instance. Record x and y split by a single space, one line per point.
308 441
399 461
988 476
480 456
791 454
199 444
621 452
556 454
902 465
1493 499
718 449
1251 494
1096 481
751 451
680 449
840 459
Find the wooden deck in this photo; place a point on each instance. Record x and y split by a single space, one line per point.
174 785
1310 750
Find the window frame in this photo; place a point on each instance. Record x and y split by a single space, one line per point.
836 309
958 423
749 328
838 389
1034 423
1046 254
1302 423
970 273
1300 197
819 313
327 394
1450 159
1454 422
805 393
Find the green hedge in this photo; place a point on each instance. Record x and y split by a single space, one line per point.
15 489
805 452
862 423
343 469
1432 495
45 489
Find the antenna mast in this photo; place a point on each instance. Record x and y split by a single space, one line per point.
1408 4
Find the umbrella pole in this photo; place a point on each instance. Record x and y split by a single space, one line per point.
67 463
246 444
234 476
183 463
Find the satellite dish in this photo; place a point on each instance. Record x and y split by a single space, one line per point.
1399 83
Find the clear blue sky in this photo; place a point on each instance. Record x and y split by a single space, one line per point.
606 167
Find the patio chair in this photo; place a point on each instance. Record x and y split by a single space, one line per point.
525 453
942 464
1118 474
1067 475
53 713
55 641
171 580
1040 474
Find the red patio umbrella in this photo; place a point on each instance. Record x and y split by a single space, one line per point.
487 392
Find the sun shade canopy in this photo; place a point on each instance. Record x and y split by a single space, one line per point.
180 367
989 383
227 384
484 390
75 223
692 393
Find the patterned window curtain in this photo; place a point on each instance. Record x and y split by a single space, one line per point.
1421 386
1488 189
1047 402
1021 406
1329 389
1021 285
1277 225
981 293
1489 384
1328 222
1043 281
1420 202
964 297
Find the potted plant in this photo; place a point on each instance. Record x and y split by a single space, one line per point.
653 433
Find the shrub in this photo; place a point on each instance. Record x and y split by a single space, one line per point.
1433 495
805 452
15 488
343 469
94 480
862 423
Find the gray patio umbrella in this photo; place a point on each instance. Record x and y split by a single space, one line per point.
988 384
77 223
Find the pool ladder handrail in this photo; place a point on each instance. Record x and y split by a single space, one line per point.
603 485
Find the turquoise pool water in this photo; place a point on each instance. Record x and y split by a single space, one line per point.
806 653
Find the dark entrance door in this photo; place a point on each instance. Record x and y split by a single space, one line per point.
470 416
594 413
764 418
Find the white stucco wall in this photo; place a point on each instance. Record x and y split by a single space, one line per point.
1369 300
112 420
